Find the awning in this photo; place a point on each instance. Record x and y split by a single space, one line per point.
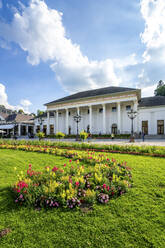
11 126
1 131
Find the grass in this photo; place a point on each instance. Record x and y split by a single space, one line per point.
137 219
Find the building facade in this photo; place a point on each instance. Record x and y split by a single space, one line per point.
15 124
104 111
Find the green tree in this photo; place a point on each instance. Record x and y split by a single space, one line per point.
40 112
40 135
160 90
83 135
20 111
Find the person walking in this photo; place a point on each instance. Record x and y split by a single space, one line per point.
143 135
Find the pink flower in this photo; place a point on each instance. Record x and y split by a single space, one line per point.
55 168
64 165
70 161
104 186
77 183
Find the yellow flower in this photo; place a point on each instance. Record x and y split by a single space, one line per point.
15 168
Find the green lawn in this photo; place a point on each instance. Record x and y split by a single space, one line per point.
137 219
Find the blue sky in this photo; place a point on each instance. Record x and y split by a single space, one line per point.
45 55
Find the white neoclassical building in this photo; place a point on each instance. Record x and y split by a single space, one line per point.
104 111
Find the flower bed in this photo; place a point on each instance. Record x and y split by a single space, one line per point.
156 151
98 180
72 185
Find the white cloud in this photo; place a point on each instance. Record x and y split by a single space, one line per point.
39 31
3 97
24 104
149 91
153 12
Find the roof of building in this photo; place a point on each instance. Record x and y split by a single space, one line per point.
92 93
152 101
19 118
4 115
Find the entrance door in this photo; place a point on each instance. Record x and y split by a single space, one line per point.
145 127
160 127
114 128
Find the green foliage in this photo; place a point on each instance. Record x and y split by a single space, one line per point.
20 111
40 112
160 90
40 135
83 135
60 135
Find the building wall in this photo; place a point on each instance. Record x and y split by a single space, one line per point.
152 115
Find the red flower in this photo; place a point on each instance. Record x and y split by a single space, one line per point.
64 165
55 168
104 186
77 183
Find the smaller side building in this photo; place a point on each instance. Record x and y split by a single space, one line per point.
16 124
152 115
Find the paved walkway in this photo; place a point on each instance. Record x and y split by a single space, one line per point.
151 142
139 142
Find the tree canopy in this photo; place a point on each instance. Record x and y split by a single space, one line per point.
40 112
20 111
160 90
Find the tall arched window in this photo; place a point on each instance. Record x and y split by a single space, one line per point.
114 128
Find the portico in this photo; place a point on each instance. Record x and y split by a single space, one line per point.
98 114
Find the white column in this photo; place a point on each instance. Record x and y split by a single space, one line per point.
48 123
136 128
19 129
57 121
104 119
90 118
118 117
66 127
54 123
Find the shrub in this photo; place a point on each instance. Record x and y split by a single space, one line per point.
40 135
60 135
83 135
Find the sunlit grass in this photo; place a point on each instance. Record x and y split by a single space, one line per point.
137 219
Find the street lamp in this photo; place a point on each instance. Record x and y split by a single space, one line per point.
132 115
77 119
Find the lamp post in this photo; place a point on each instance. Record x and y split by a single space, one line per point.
132 115
77 119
